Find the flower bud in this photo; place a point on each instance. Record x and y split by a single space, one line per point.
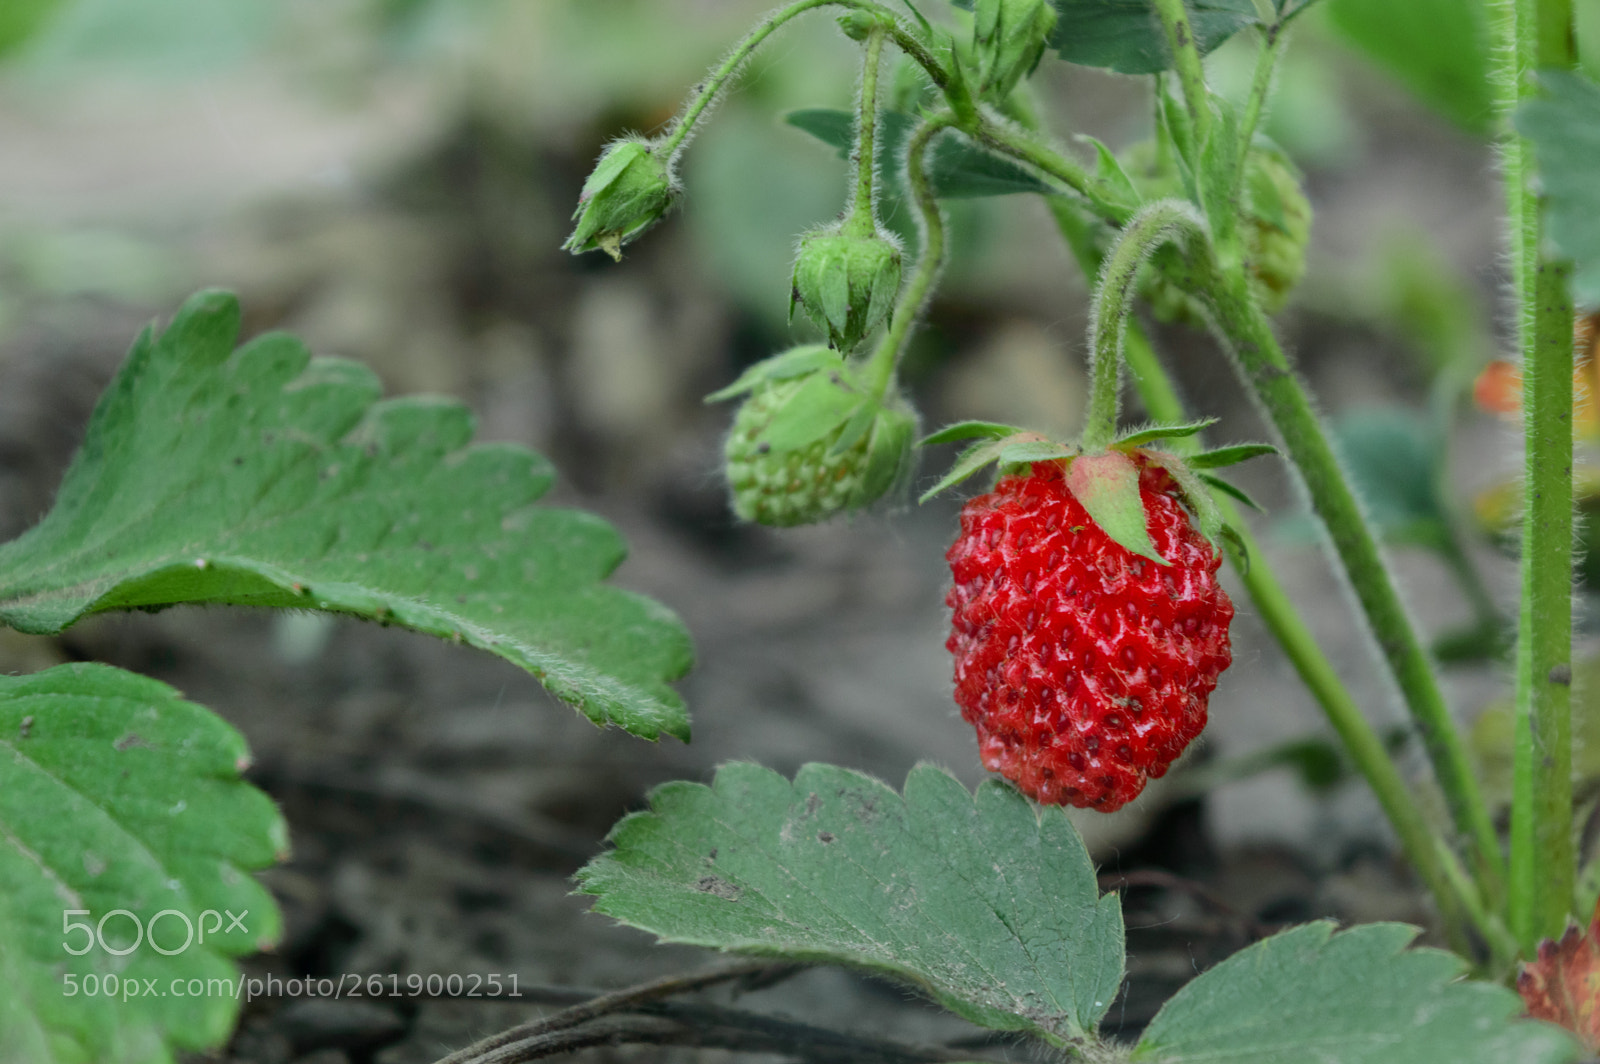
846 283
1009 38
628 192
808 445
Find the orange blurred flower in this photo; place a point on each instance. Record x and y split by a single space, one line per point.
1499 387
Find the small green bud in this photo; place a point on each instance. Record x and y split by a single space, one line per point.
1008 40
628 192
807 447
858 25
846 283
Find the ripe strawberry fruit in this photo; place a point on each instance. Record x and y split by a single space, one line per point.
1085 667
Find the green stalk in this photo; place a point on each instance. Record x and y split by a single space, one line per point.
1186 60
1248 335
863 220
880 367
1260 88
1537 34
708 90
1372 758
1155 225
1023 146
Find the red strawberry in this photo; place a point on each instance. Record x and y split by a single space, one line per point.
1084 667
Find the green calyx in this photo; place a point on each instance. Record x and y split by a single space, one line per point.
810 442
630 189
846 278
1275 227
1107 482
1008 40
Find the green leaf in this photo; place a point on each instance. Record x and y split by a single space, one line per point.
1126 35
1226 456
1394 462
969 430
1028 451
1439 49
967 463
1152 433
818 405
264 477
1108 486
796 362
1565 130
987 903
1112 177
1357 997
115 794
957 168
1232 491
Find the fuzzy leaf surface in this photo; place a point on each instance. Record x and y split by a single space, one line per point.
260 476
1565 130
117 794
987 903
956 168
1356 997
1108 487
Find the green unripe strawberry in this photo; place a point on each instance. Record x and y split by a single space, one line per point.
846 281
1276 228
1008 40
629 190
809 442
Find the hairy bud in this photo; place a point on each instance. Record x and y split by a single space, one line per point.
846 283
1008 39
628 192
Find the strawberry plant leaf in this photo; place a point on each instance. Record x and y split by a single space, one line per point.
1221 457
957 169
1565 130
1139 437
969 430
986 903
261 476
1108 486
966 464
126 839
1439 49
1233 491
1025 452
1356 997
1126 36
796 362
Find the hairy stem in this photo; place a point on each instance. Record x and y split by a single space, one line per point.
1534 34
880 367
1025 147
1260 88
1155 225
1186 61
1372 758
1248 335
863 217
709 89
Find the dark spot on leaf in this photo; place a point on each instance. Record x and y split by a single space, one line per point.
1561 674
813 803
718 886
129 741
825 836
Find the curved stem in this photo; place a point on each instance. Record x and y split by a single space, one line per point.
1158 223
1246 333
1025 148
709 89
1186 60
1366 749
1535 34
863 218
880 367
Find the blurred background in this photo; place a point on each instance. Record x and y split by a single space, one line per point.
392 179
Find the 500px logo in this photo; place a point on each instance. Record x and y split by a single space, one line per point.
193 930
